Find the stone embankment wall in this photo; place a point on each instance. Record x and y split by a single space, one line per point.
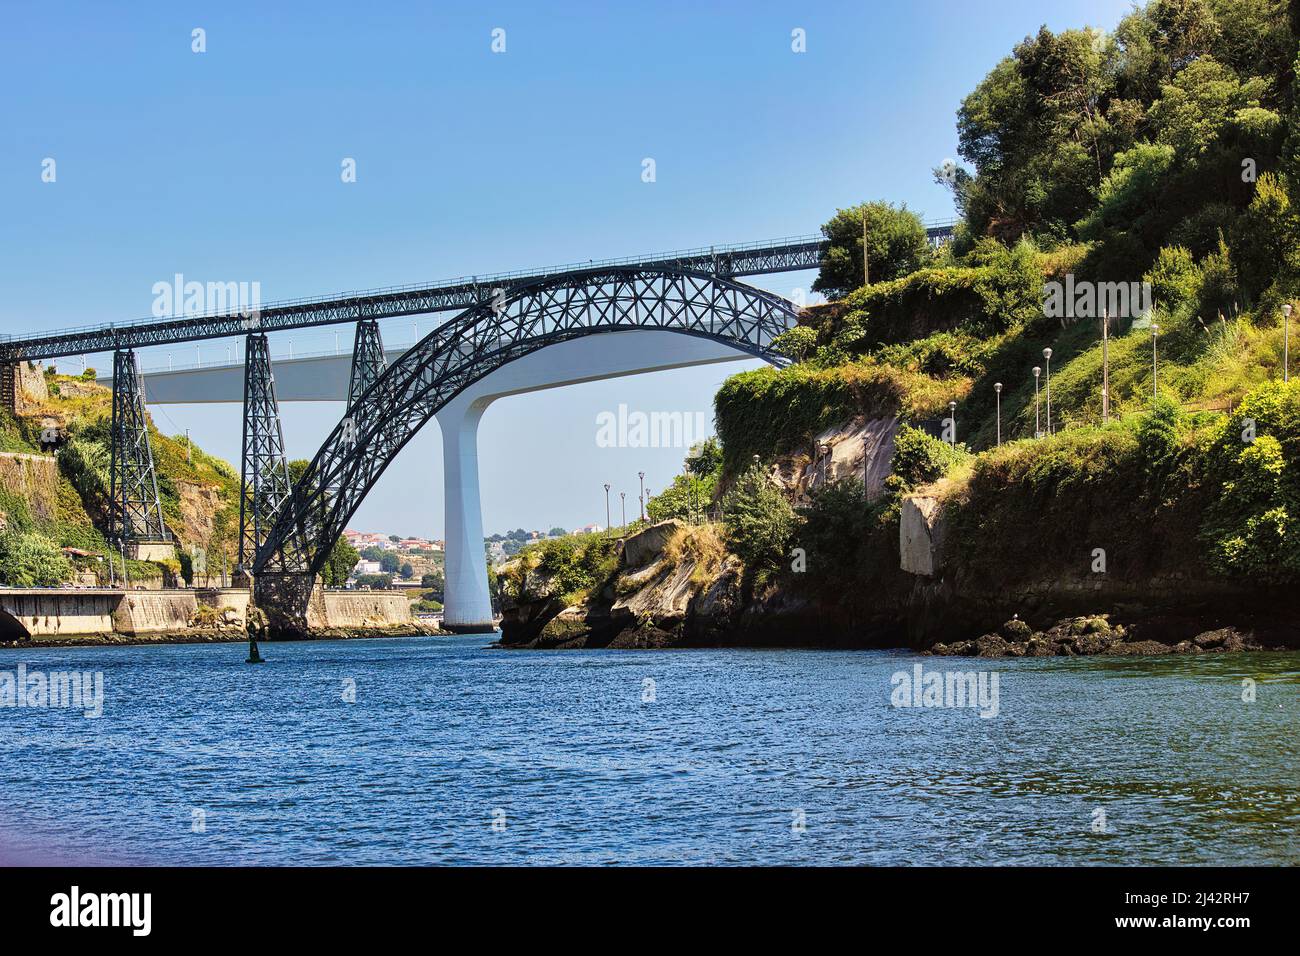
367 609
26 613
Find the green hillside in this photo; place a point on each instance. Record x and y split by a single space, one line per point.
1163 153
199 493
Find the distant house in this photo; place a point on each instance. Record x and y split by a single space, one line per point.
367 567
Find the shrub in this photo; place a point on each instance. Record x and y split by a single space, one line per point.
570 568
797 343
847 541
758 521
31 560
920 459
1175 279
1250 528
768 411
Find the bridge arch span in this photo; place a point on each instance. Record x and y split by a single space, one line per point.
510 324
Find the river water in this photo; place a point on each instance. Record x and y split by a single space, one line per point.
455 753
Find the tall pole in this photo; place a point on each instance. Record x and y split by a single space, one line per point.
866 275
1038 423
1105 367
607 506
623 499
1286 342
1047 357
1155 390
997 390
641 476
952 422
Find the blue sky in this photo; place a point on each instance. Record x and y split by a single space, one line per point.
225 166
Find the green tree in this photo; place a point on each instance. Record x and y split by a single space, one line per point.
758 522
896 245
798 343
342 559
406 571
705 457
1264 240
389 562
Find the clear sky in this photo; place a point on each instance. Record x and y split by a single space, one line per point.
225 166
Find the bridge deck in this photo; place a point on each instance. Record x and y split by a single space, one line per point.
745 259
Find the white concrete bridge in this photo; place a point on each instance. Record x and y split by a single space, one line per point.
325 378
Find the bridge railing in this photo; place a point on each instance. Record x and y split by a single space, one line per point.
791 253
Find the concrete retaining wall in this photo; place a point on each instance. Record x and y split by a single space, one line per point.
367 609
151 612
220 598
37 613
47 613
43 613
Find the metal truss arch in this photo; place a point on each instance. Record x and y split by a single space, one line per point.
508 326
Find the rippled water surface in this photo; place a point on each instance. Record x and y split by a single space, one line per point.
446 736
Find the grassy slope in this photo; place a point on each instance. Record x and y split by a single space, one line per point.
84 410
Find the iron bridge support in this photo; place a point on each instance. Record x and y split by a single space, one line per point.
136 522
264 471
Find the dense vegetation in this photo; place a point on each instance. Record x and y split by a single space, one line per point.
1165 152
36 532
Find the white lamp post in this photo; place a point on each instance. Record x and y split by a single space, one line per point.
1047 358
1038 423
997 390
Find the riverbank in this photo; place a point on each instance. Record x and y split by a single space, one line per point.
220 636
672 585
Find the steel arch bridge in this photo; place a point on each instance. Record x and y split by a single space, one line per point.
518 321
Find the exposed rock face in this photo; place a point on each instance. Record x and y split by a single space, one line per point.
653 601
199 505
647 545
920 535
860 450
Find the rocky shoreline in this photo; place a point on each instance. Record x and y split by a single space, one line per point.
217 635
1095 635
660 597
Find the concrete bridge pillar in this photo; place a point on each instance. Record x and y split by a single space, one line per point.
467 603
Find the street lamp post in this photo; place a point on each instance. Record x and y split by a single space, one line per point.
997 390
1105 367
1038 424
1155 334
607 506
641 475
952 423
623 498
1286 342
1047 387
